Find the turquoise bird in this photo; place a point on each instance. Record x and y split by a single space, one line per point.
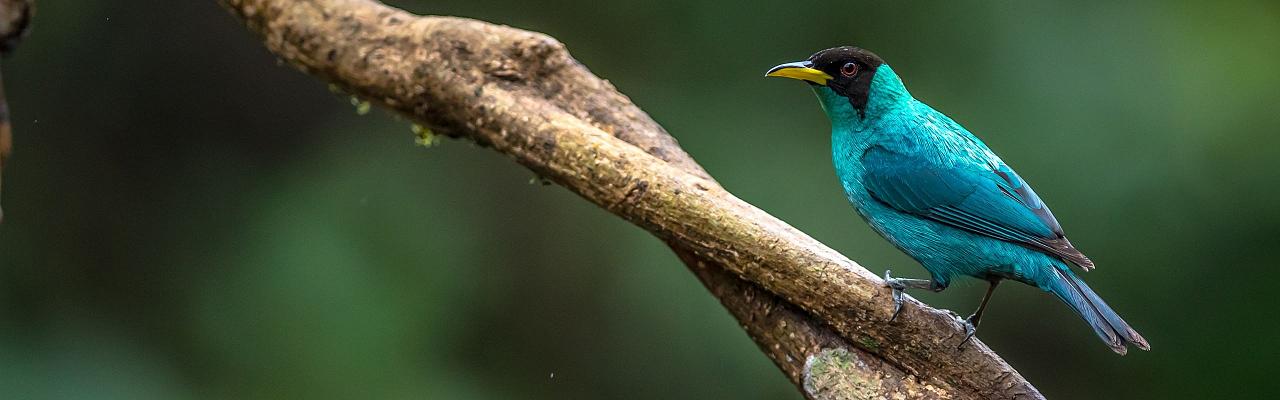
940 195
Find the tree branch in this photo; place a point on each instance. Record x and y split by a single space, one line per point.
822 318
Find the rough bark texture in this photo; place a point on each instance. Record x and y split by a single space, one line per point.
822 364
822 318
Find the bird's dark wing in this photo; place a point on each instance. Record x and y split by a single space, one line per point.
993 202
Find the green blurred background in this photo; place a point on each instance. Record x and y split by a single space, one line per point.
188 219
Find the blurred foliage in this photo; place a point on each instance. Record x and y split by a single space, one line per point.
188 219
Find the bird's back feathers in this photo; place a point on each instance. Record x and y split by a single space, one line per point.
985 197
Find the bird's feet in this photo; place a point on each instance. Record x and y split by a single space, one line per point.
970 328
898 287
902 284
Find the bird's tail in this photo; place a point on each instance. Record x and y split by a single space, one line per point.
1105 322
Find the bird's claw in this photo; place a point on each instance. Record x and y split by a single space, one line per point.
898 287
894 283
969 329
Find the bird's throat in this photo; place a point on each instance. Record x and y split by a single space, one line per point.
838 108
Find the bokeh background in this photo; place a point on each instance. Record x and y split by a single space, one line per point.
188 219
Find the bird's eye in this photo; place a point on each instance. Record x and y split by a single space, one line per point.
849 69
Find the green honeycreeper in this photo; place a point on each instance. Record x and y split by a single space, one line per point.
940 195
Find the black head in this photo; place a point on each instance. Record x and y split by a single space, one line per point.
847 70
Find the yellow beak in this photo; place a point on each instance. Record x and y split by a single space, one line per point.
802 70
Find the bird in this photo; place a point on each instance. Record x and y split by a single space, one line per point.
940 195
